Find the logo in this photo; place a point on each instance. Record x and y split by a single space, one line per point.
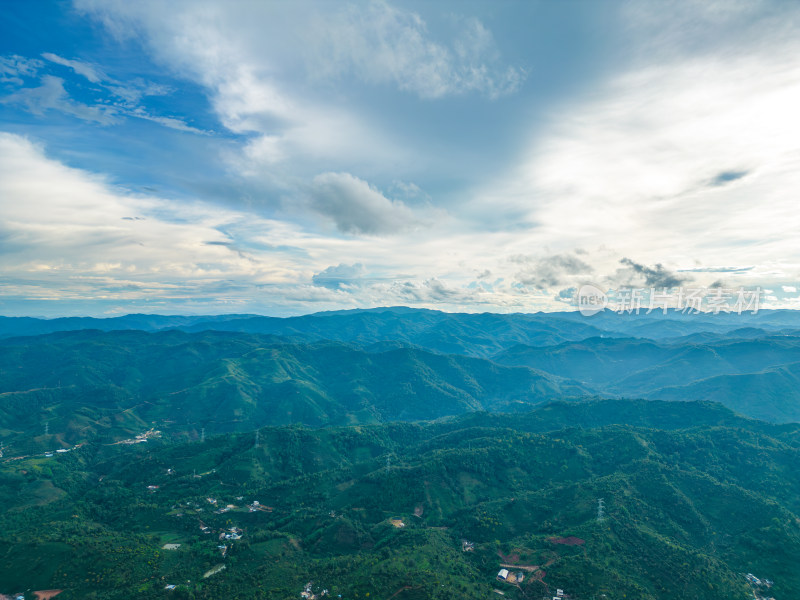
591 300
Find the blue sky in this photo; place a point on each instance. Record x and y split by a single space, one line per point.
284 158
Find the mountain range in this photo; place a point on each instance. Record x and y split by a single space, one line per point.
80 378
401 454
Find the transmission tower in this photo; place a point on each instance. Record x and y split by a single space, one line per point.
255 445
47 427
202 434
601 515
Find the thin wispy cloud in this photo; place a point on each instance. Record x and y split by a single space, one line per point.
14 68
383 44
52 96
88 71
52 93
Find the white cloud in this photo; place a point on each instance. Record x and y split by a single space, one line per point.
67 235
677 159
548 272
171 122
51 95
338 276
69 224
684 156
131 92
266 68
13 68
85 69
789 289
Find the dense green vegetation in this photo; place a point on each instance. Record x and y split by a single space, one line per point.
96 385
400 454
695 496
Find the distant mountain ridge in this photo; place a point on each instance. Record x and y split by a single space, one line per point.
483 334
110 377
755 376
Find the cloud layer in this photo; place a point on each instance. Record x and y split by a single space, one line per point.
316 155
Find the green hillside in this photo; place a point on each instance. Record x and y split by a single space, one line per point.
108 385
770 394
689 508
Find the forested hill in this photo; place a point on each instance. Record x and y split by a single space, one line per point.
79 385
417 511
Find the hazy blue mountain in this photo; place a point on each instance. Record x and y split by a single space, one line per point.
24 326
480 335
772 394
698 368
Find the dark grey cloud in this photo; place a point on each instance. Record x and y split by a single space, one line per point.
357 207
334 277
431 290
657 276
549 271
